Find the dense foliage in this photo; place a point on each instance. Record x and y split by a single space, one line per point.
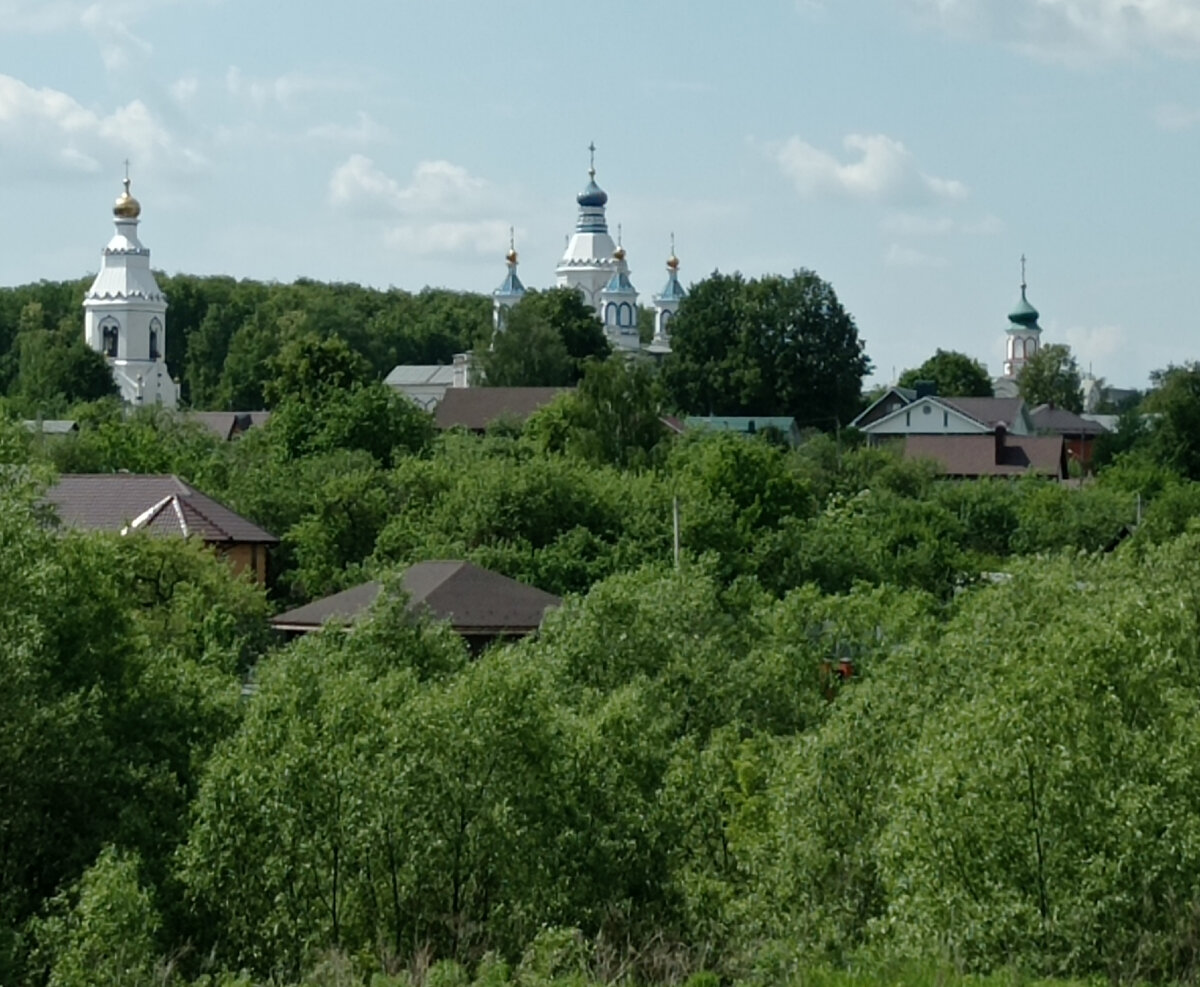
766 346
953 374
860 719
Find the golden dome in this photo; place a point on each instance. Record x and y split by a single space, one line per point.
619 253
126 206
673 263
511 256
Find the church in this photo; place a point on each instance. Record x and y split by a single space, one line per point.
125 314
595 266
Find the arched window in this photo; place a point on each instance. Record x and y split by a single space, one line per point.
109 334
155 332
611 317
625 315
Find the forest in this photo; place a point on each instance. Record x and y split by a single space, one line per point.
870 726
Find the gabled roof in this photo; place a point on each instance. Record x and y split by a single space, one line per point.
991 455
476 408
893 398
958 416
412 374
161 504
475 601
51 426
227 424
990 411
1047 418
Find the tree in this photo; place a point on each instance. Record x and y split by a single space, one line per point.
1051 376
614 417
955 374
1175 428
547 337
775 346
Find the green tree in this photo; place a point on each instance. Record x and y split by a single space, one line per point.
1174 439
104 932
770 346
614 417
1051 376
955 374
547 337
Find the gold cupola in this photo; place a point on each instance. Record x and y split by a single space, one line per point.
126 206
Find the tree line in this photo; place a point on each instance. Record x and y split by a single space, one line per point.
871 721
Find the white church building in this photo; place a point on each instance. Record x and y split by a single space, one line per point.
125 314
595 266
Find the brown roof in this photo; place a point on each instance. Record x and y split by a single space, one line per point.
477 407
226 424
475 601
988 411
1048 418
160 504
991 455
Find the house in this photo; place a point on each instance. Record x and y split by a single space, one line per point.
1078 432
748 425
51 426
163 506
426 384
929 414
475 408
996 454
480 605
228 425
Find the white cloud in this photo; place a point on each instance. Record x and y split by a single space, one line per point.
910 224
898 255
109 22
46 129
281 90
183 90
436 186
364 130
479 236
884 169
1097 343
1174 116
442 209
1073 30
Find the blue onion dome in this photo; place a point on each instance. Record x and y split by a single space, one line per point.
1023 314
593 195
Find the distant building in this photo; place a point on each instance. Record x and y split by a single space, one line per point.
125 314
162 506
480 605
596 266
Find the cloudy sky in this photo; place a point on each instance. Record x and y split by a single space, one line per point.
908 151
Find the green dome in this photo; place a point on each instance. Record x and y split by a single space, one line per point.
1024 314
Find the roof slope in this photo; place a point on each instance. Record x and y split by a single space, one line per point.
990 455
1048 418
477 407
474 600
226 424
161 504
989 411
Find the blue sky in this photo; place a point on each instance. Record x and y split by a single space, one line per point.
908 151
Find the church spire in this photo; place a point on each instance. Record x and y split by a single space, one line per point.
1024 334
511 290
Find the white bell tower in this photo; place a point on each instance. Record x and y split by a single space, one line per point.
125 314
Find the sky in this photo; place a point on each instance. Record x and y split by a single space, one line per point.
908 151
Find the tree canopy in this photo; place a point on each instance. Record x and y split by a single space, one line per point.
765 346
1051 376
547 337
955 374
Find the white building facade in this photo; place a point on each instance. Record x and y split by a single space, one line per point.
595 265
125 314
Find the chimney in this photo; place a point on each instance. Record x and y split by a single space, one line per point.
462 368
926 388
1001 435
